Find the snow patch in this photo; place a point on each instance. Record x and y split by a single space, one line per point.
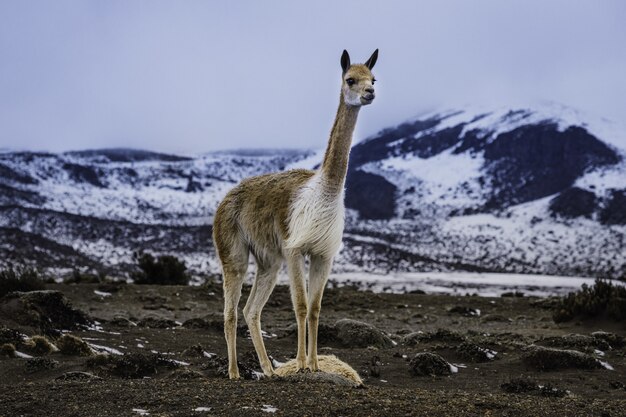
106 349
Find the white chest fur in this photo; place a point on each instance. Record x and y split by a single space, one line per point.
316 219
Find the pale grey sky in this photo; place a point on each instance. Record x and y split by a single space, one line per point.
195 76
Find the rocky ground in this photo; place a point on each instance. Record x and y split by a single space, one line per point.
159 351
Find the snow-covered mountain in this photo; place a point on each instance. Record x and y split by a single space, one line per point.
515 190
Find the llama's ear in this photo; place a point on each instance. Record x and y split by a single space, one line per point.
372 61
345 61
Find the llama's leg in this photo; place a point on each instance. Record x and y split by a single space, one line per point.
318 276
232 292
267 272
233 281
234 259
295 266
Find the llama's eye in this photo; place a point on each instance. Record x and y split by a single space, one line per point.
350 81
373 81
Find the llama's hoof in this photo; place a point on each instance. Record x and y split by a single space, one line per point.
313 367
234 376
303 370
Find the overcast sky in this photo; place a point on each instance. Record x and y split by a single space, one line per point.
195 76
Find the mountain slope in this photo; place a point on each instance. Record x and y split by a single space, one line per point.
510 190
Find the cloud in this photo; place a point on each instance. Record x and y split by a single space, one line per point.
199 76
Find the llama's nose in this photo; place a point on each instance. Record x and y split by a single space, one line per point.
370 90
369 93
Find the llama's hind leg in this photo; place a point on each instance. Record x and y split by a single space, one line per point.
318 276
267 273
295 266
234 266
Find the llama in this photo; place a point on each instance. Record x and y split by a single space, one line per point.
285 217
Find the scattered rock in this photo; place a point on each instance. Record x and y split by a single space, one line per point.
132 365
440 335
429 364
40 364
512 294
548 303
217 366
374 367
77 376
120 321
495 317
530 386
465 311
352 333
196 323
48 310
184 374
7 350
152 298
157 323
194 351
519 385
474 353
320 377
158 307
216 324
11 336
111 287
326 333
576 341
549 359
332 370
614 340
74 346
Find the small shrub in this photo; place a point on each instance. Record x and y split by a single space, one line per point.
601 299
7 350
78 277
74 346
21 280
40 345
165 270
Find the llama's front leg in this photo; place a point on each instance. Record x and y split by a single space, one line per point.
295 266
318 276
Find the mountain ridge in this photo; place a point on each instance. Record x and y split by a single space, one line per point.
512 190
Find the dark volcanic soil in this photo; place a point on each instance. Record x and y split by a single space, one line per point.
144 323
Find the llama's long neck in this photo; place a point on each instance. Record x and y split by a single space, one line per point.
335 165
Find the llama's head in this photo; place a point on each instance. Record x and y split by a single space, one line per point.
358 81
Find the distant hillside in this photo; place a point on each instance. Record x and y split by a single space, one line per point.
516 190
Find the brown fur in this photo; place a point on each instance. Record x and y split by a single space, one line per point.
254 217
259 208
329 364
